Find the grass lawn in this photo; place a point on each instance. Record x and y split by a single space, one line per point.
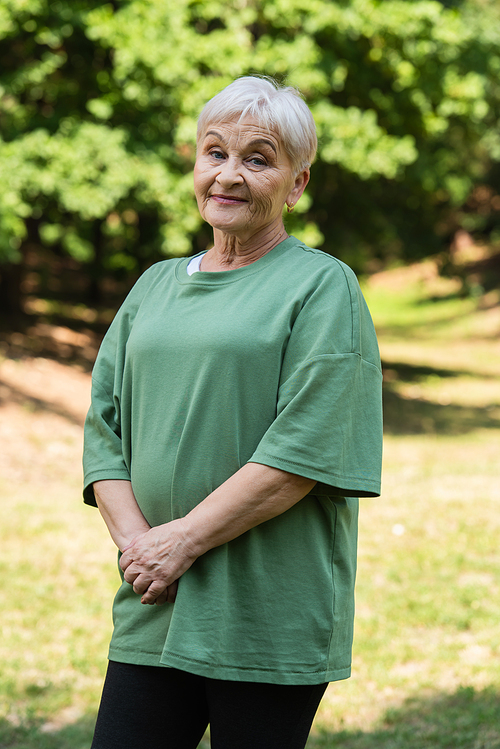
426 666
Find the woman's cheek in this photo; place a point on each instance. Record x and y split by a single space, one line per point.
264 200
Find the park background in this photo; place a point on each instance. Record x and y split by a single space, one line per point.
98 107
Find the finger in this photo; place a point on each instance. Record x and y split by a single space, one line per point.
172 591
125 560
153 591
131 574
162 598
142 583
168 595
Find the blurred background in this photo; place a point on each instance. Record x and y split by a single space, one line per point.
98 109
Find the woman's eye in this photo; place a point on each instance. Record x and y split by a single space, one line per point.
257 161
217 154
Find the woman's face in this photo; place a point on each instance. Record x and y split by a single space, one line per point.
243 177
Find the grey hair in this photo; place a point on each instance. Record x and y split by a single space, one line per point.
275 107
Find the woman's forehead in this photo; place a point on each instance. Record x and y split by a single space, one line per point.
242 129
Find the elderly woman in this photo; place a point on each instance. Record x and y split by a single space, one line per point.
235 419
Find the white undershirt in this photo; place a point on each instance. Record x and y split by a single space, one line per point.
194 264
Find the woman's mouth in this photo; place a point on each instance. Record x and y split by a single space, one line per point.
227 199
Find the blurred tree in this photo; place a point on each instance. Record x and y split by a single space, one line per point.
98 107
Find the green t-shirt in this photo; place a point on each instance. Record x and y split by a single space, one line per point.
274 363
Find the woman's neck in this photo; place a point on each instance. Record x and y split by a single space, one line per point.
229 252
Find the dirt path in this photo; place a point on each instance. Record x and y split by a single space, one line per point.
42 409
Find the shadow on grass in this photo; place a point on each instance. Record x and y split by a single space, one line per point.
464 720
468 719
9 394
77 735
66 342
403 415
417 416
417 372
36 735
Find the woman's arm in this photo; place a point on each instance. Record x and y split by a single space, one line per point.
251 496
120 511
125 521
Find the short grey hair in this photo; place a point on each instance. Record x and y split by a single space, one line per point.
275 107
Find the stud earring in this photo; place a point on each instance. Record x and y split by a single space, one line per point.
290 208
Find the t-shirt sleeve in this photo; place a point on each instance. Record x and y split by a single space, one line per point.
103 455
328 424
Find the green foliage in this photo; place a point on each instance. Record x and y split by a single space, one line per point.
98 108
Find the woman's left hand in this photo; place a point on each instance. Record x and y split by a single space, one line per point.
155 560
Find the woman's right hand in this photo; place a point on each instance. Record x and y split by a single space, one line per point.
169 593
154 561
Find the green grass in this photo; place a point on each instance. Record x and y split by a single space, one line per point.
426 666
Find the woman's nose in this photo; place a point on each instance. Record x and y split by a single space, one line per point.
230 173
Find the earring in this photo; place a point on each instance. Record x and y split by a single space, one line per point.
290 208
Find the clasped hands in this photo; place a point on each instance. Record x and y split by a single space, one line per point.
155 560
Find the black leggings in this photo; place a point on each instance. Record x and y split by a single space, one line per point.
150 707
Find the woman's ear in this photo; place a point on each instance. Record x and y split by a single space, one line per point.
299 186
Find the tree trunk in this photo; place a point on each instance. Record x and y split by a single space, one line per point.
94 292
10 289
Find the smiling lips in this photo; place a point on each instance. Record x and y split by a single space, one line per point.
227 199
